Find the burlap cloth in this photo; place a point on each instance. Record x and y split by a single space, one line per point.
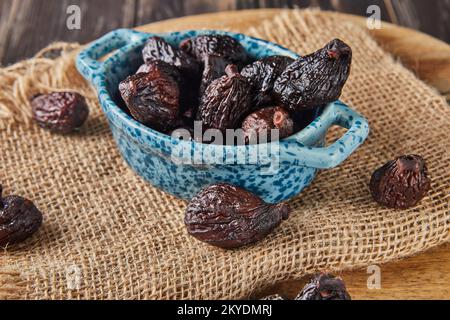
108 234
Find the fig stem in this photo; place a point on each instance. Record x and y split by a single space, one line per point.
333 54
278 118
285 210
231 70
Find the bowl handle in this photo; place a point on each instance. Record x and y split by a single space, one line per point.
88 63
295 153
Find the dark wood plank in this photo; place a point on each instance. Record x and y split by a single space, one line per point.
33 24
154 10
6 13
360 7
431 16
28 25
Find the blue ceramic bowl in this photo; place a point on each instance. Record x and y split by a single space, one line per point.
277 175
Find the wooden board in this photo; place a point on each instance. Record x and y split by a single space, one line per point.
425 276
428 57
26 26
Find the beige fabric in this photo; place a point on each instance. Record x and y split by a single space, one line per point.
126 239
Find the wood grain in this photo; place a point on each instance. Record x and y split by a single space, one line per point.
32 24
425 276
28 25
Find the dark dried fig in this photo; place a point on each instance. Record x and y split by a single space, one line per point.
158 49
219 45
19 219
214 68
187 84
230 217
324 287
303 118
153 98
60 112
315 79
401 183
262 75
226 101
265 120
145 68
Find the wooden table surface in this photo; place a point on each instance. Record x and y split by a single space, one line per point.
425 276
26 26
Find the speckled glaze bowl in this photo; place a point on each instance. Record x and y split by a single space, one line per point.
151 154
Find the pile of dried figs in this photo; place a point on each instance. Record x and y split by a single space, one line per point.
212 79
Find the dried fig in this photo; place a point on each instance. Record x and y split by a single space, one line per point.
222 46
324 287
315 79
226 101
145 68
60 112
153 98
265 120
158 49
401 183
187 84
230 217
262 75
19 219
214 68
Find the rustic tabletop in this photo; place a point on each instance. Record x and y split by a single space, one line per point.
424 276
28 25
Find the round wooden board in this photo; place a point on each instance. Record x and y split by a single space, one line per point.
425 276
428 57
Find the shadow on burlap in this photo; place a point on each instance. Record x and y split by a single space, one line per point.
107 234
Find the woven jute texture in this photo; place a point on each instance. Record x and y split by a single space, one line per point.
109 235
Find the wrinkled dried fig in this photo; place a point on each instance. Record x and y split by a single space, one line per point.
153 98
324 287
187 84
263 121
230 217
157 48
19 219
262 75
214 68
315 79
226 101
401 183
60 112
222 46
